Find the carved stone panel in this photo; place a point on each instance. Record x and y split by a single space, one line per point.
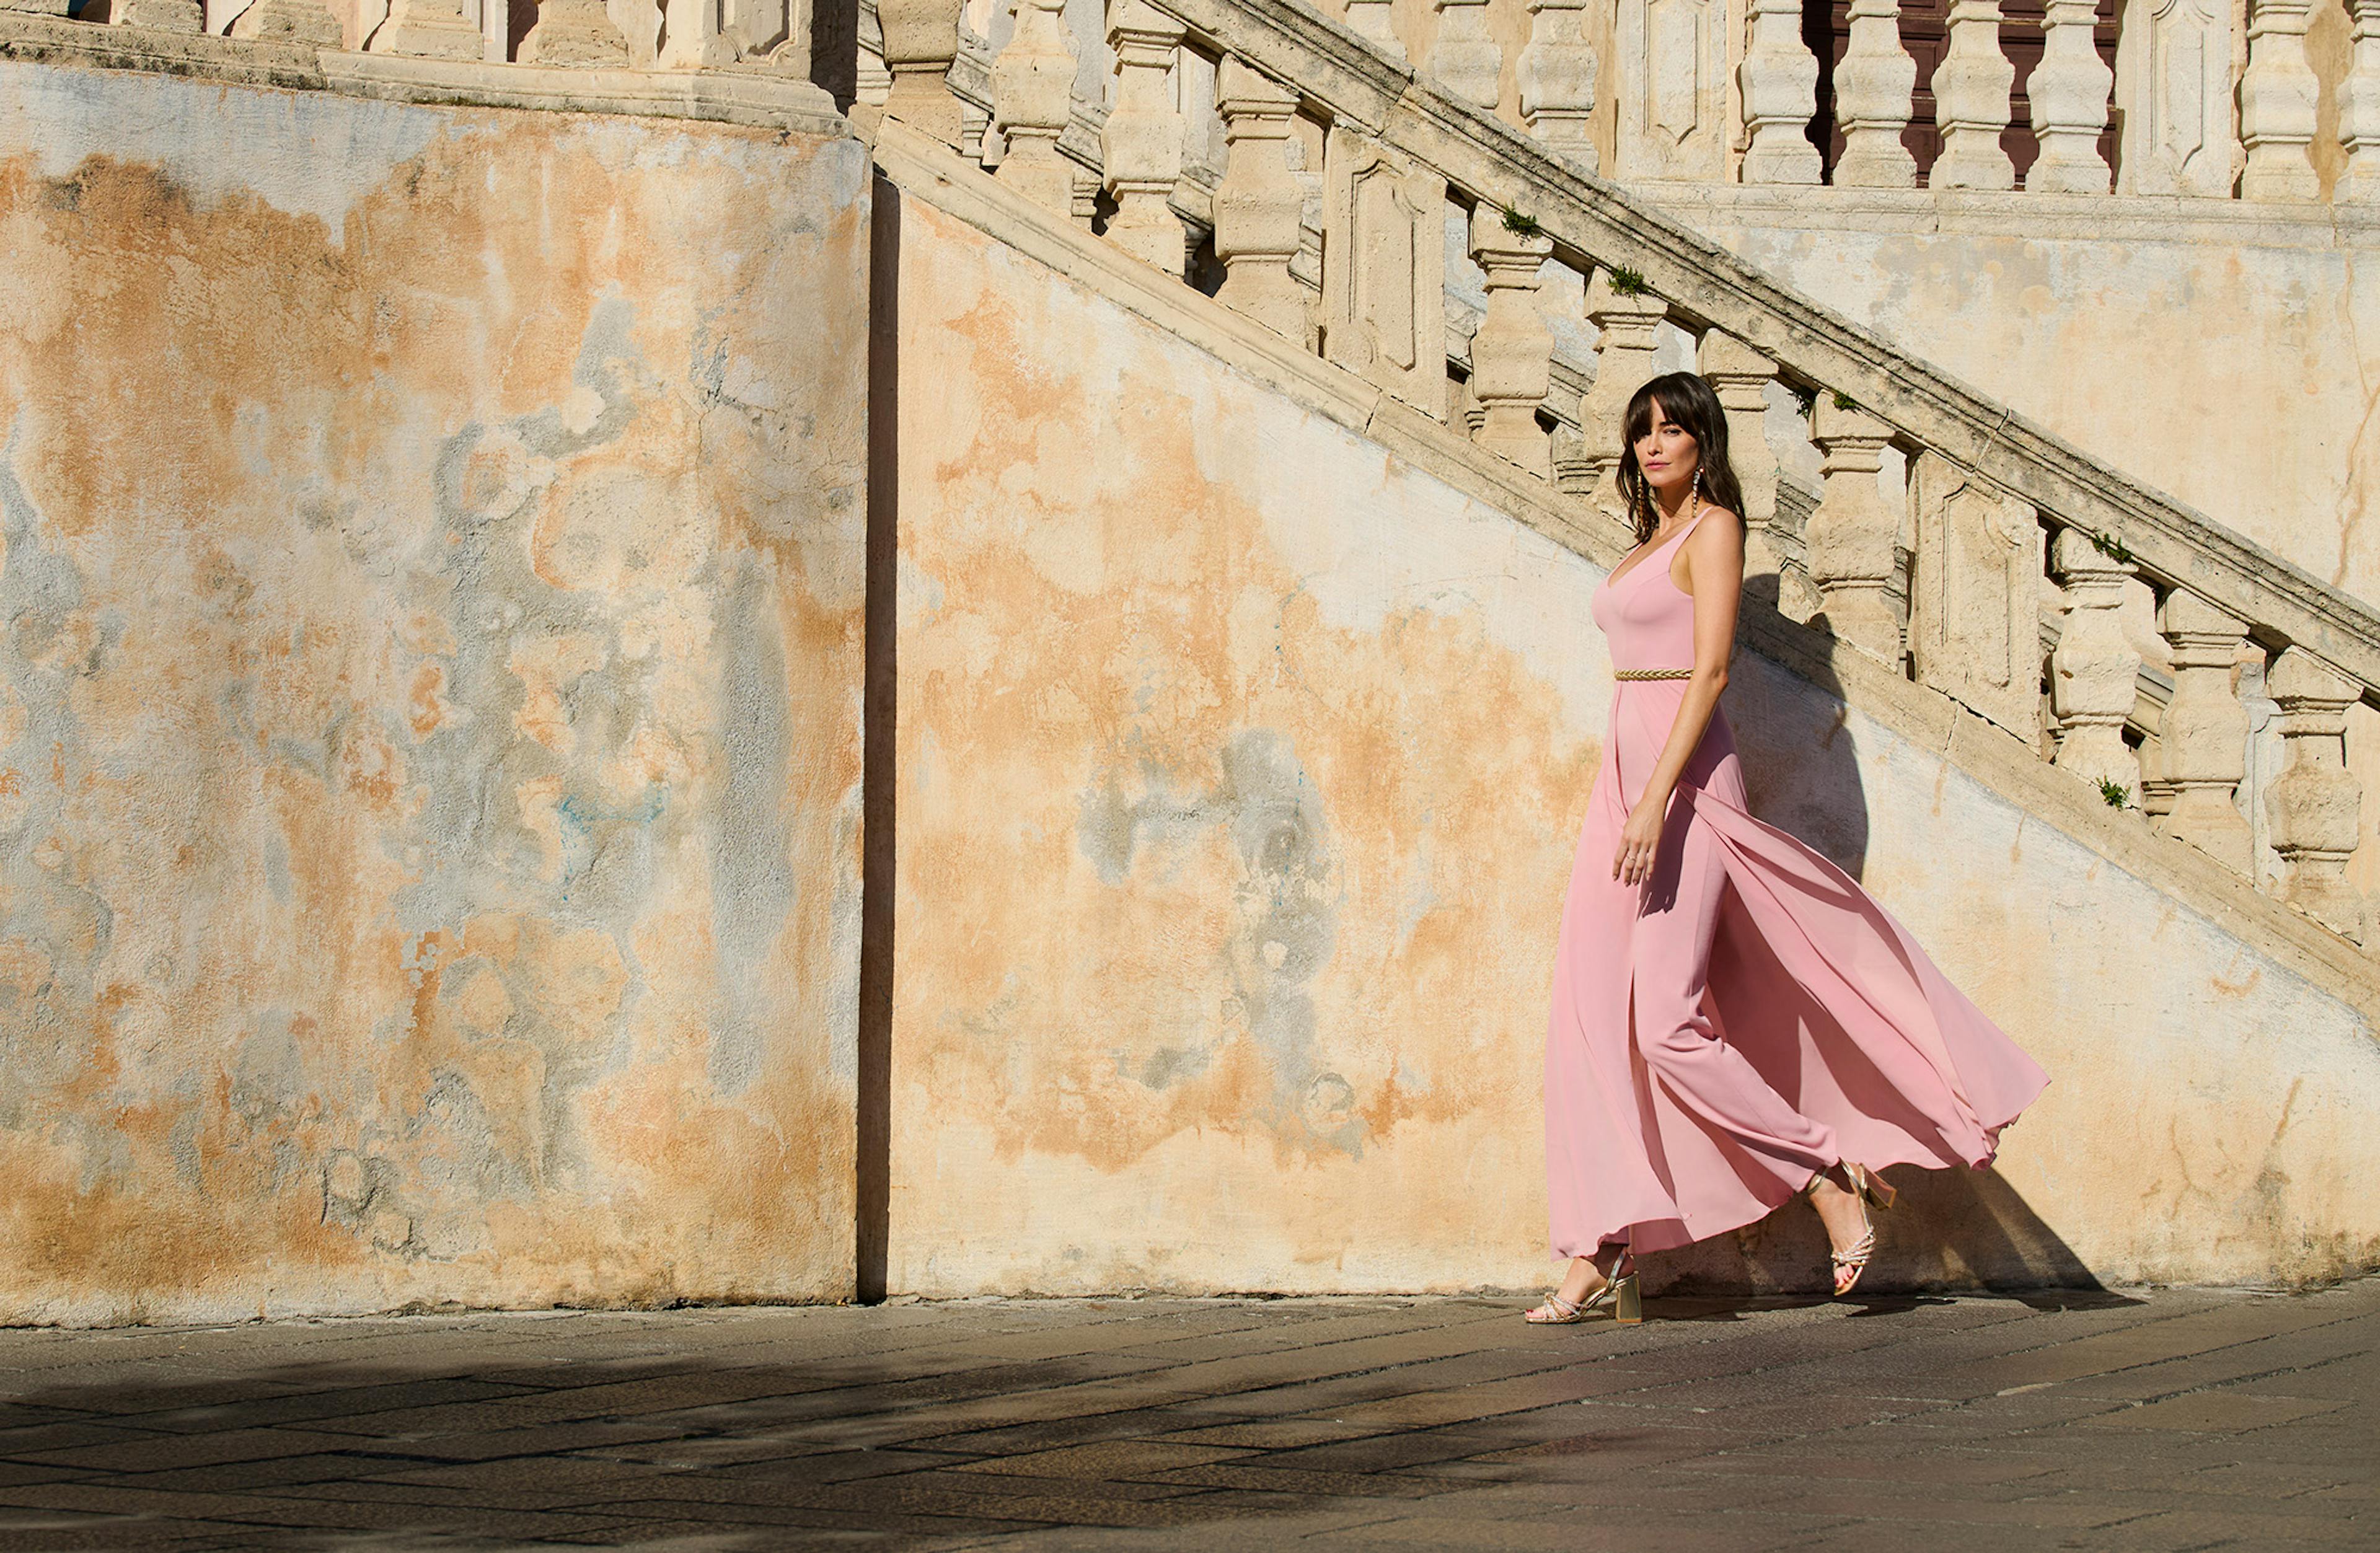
1672 96
1975 609
1384 268
2174 98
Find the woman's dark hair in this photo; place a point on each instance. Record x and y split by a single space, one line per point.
1686 401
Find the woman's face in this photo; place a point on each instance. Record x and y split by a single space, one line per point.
1667 455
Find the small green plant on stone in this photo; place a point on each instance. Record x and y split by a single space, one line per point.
2111 547
1626 282
2114 792
1844 401
1519 224
1805 399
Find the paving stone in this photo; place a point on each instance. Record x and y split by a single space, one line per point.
1292 1480
164 1452
118 1535
492 1443
1933 1468
1114 1458
2195 1527
1088 1428
2156 1419
2215 1412
1280 1434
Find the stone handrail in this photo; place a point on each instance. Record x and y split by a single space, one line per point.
1326 222
2000 505
1674 119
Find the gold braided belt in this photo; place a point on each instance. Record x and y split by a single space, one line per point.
1651 674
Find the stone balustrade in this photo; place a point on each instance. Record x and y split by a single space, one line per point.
2001 571
1309 179
2184 130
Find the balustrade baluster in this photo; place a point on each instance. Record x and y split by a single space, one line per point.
2276 102
1970 101
1851 535
1554 75
425 29
162 15
1778 78
871 80
1628 324
1511 356
1872 95
2095 672
1375 19
2312 803
299 21
2359 109
2069 88
1141 142
921 38
2156 792
1467 60
1032 95
1740 376
693 36
2203 745
1258 205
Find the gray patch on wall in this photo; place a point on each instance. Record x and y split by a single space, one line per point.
476 572
752 880
1286 914
63 926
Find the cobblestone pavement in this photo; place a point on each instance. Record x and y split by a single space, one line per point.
2140 1419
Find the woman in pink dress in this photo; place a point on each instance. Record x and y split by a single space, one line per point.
1736 1023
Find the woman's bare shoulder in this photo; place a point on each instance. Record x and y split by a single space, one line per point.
1718 525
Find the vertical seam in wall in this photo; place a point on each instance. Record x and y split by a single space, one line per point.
880 704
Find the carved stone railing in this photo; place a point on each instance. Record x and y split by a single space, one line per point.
2011 572
2167 105
1308 177
2180 126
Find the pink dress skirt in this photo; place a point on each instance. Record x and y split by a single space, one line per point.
1748 1014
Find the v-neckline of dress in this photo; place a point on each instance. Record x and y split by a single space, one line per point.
1627 570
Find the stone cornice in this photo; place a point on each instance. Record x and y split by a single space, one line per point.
1923 717
755 98
1597 220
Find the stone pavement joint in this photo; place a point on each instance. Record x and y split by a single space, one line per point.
2149 1419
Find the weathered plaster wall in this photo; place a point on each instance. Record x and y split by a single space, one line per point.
429 703
1240 767
2227 358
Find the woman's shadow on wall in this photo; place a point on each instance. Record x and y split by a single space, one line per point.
1786 705
1955 1227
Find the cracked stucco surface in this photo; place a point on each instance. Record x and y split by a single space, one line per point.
429 703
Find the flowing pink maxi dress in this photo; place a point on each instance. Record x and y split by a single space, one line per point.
1748 1014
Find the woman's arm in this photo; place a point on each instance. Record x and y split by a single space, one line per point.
1714 558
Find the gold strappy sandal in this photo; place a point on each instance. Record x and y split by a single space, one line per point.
1619 1292
1868 1187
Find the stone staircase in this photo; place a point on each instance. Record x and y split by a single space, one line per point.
1274 193
2002 632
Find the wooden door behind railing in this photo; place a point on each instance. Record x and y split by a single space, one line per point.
1925 32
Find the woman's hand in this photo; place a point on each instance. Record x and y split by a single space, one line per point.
1639 839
